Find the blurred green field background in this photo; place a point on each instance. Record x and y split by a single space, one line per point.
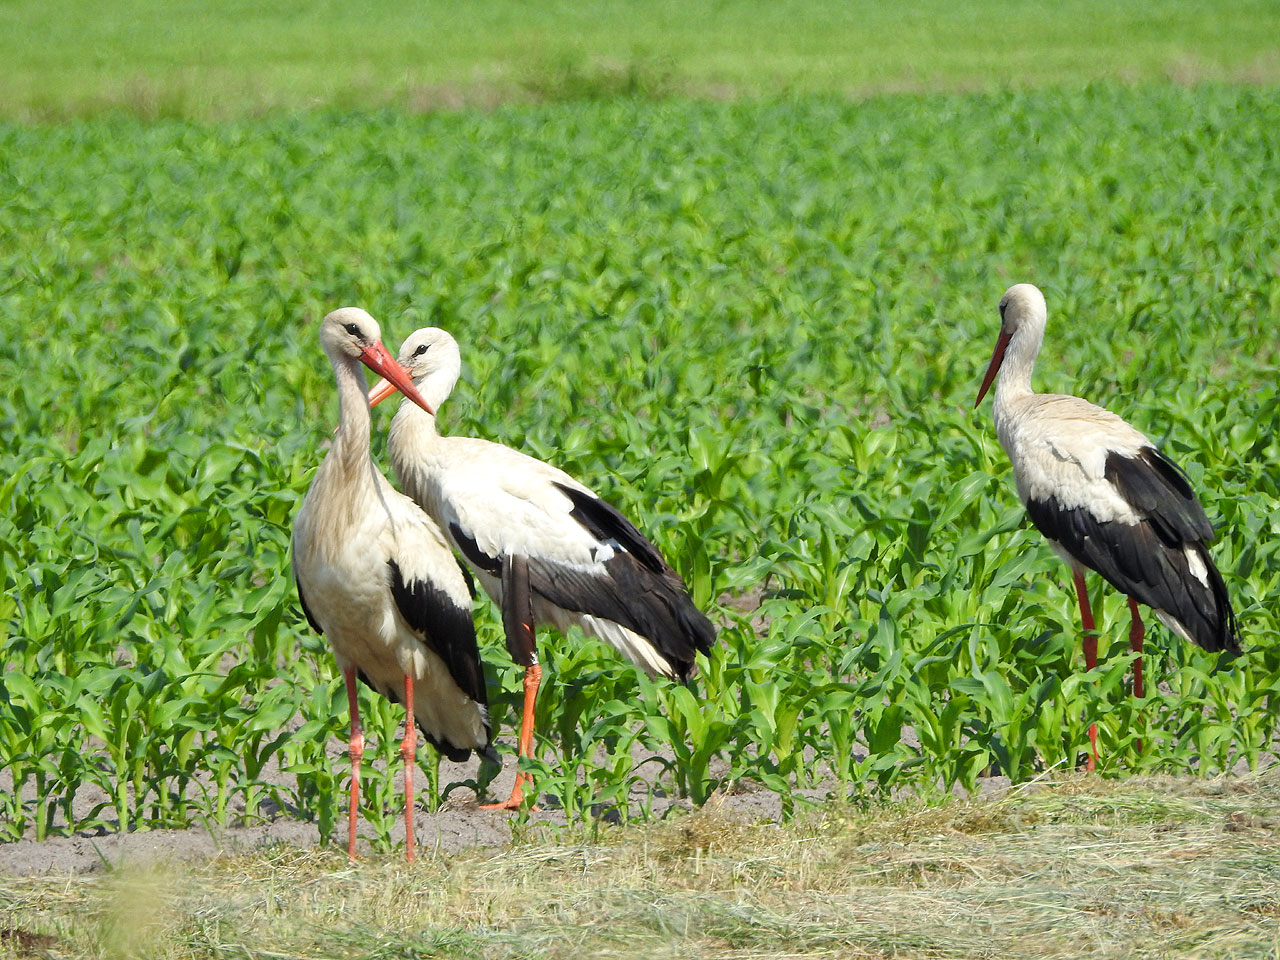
60 58
757 325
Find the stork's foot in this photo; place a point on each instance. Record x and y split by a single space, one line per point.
513 802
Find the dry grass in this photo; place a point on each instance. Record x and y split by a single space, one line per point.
1082 867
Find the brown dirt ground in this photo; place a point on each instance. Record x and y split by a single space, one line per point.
459 824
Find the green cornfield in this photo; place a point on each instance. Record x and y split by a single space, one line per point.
756 327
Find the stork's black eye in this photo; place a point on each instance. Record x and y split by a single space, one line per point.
352 329
422 348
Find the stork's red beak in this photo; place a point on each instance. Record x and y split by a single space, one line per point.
380 391
1002 342
377 359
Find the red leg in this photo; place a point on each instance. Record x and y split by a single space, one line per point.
532 680
1090 656
356 750
517 622
1136 633
409 754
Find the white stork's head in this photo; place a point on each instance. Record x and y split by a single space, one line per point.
351 334
1021 304
1022 314
431 357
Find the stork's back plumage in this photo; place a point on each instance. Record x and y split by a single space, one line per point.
641 591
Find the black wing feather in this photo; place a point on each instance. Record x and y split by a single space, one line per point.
471 550
471 581
456 754
639 589
1147 560
307 610
604 522
1159 490
447 629
450 633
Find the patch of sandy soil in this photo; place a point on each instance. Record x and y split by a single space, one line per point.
459 824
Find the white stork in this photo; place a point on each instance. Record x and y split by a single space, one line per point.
377 578
1105 498
544 547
